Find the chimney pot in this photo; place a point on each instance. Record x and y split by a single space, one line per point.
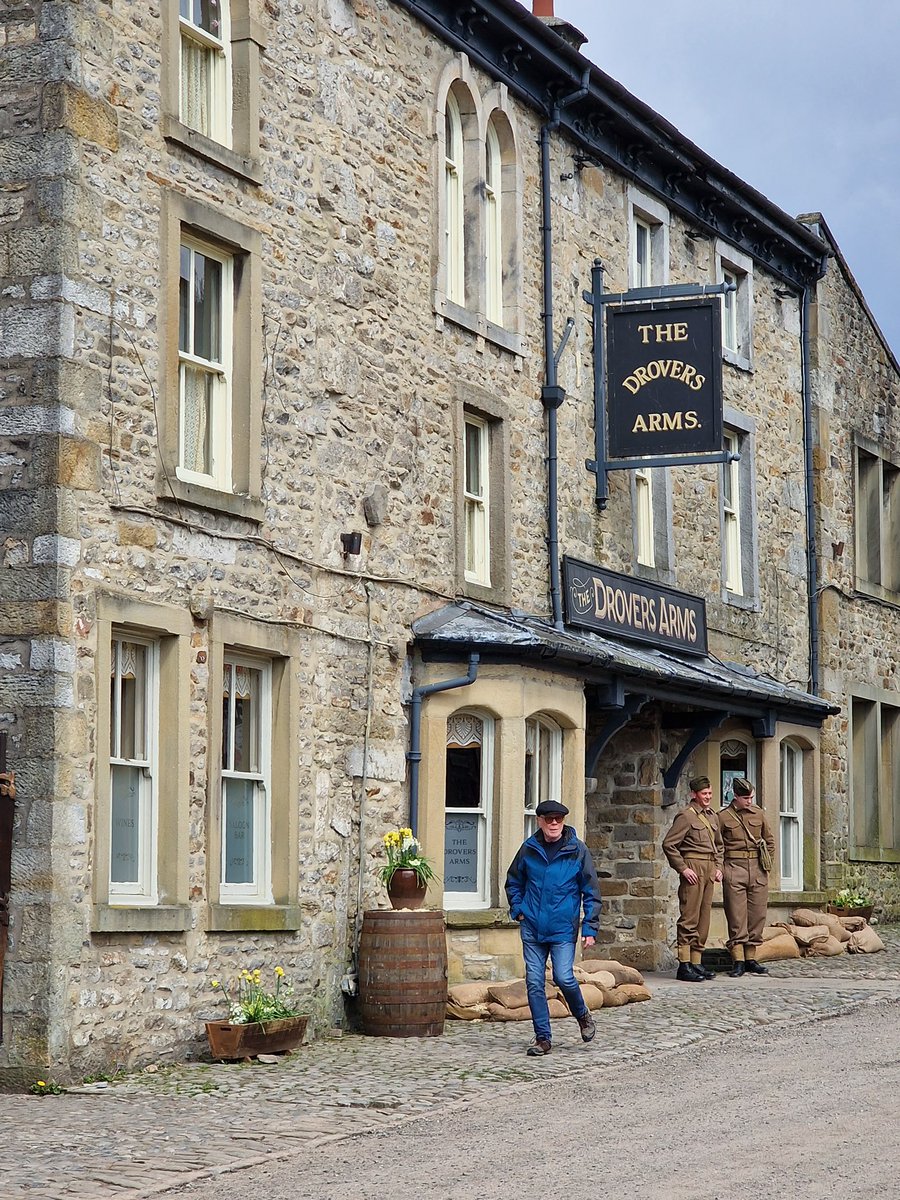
543 8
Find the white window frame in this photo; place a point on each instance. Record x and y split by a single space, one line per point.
875 774
790 813
877 520
648 222
645 534
477 505
733 266
481 898
731 516
220 475
144 889
534 726
219 51
493 227
259 891
454 206
642 263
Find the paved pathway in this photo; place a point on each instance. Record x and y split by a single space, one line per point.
151 1133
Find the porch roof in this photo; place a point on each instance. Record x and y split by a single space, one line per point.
614 666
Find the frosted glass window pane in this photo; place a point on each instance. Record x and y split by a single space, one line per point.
125 832
239 831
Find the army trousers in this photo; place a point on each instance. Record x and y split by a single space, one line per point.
694 906
745 892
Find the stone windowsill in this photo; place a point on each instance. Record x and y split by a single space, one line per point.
203 497
478 324
741 361
479 918
253 918
210 151
156 918
873 854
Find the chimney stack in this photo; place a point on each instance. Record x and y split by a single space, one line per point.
543 8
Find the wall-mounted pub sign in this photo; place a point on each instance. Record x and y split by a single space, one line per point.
607 602
664 378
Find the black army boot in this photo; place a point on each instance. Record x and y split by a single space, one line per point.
752 967
688 973
738 967
704 971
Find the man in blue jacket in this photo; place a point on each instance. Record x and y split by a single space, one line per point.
548 882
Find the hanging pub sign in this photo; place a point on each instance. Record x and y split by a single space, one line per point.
664 378
607 602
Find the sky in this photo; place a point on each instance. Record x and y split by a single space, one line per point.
800 98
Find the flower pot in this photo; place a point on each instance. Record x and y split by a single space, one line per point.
404 889
864 910
227 1040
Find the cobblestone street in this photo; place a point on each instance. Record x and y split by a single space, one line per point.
153 1132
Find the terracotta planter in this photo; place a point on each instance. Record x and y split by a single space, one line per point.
865 910
243 1041
404 889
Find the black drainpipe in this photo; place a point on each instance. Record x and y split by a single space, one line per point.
812 556
414 754
552 395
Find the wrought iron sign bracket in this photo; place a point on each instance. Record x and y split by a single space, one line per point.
600 465
703 727
616 720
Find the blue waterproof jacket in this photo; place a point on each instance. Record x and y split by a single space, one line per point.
548 895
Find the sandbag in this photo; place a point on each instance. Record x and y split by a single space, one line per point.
826 948
613 997
620 972
633 992
812 917
598 978
807 935
511 994
499 1012
782 945
558 1008
593 996
865 941
467 994
460 1012
853 924
772 931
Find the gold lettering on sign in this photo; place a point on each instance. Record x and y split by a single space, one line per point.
664 368
665 422
674 332
649 614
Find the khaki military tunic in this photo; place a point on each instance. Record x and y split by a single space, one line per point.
694 841
745 885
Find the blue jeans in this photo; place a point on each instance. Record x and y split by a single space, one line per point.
562 958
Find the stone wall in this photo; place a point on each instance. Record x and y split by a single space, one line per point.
360 384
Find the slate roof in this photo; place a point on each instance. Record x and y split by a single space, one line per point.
699 681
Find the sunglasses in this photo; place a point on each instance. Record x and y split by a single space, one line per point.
554 819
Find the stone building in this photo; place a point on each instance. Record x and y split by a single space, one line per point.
290 440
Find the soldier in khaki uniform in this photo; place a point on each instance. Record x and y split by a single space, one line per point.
745 888
693 847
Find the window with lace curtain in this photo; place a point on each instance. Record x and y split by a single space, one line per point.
204 365
205 93
468 805
246 757
132 772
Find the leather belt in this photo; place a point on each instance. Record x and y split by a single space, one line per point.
697 854
740 857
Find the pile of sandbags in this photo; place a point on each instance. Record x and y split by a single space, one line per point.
603 983
814 934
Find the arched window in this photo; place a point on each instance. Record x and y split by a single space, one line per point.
467 804
454 227
493 227
736 757
790 817
543 766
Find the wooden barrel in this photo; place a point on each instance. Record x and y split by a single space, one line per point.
403 973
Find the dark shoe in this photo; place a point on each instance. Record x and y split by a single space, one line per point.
755 968
538 1046
689 974
738 969
587 1026
704 971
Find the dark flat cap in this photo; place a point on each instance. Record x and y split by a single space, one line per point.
551 808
